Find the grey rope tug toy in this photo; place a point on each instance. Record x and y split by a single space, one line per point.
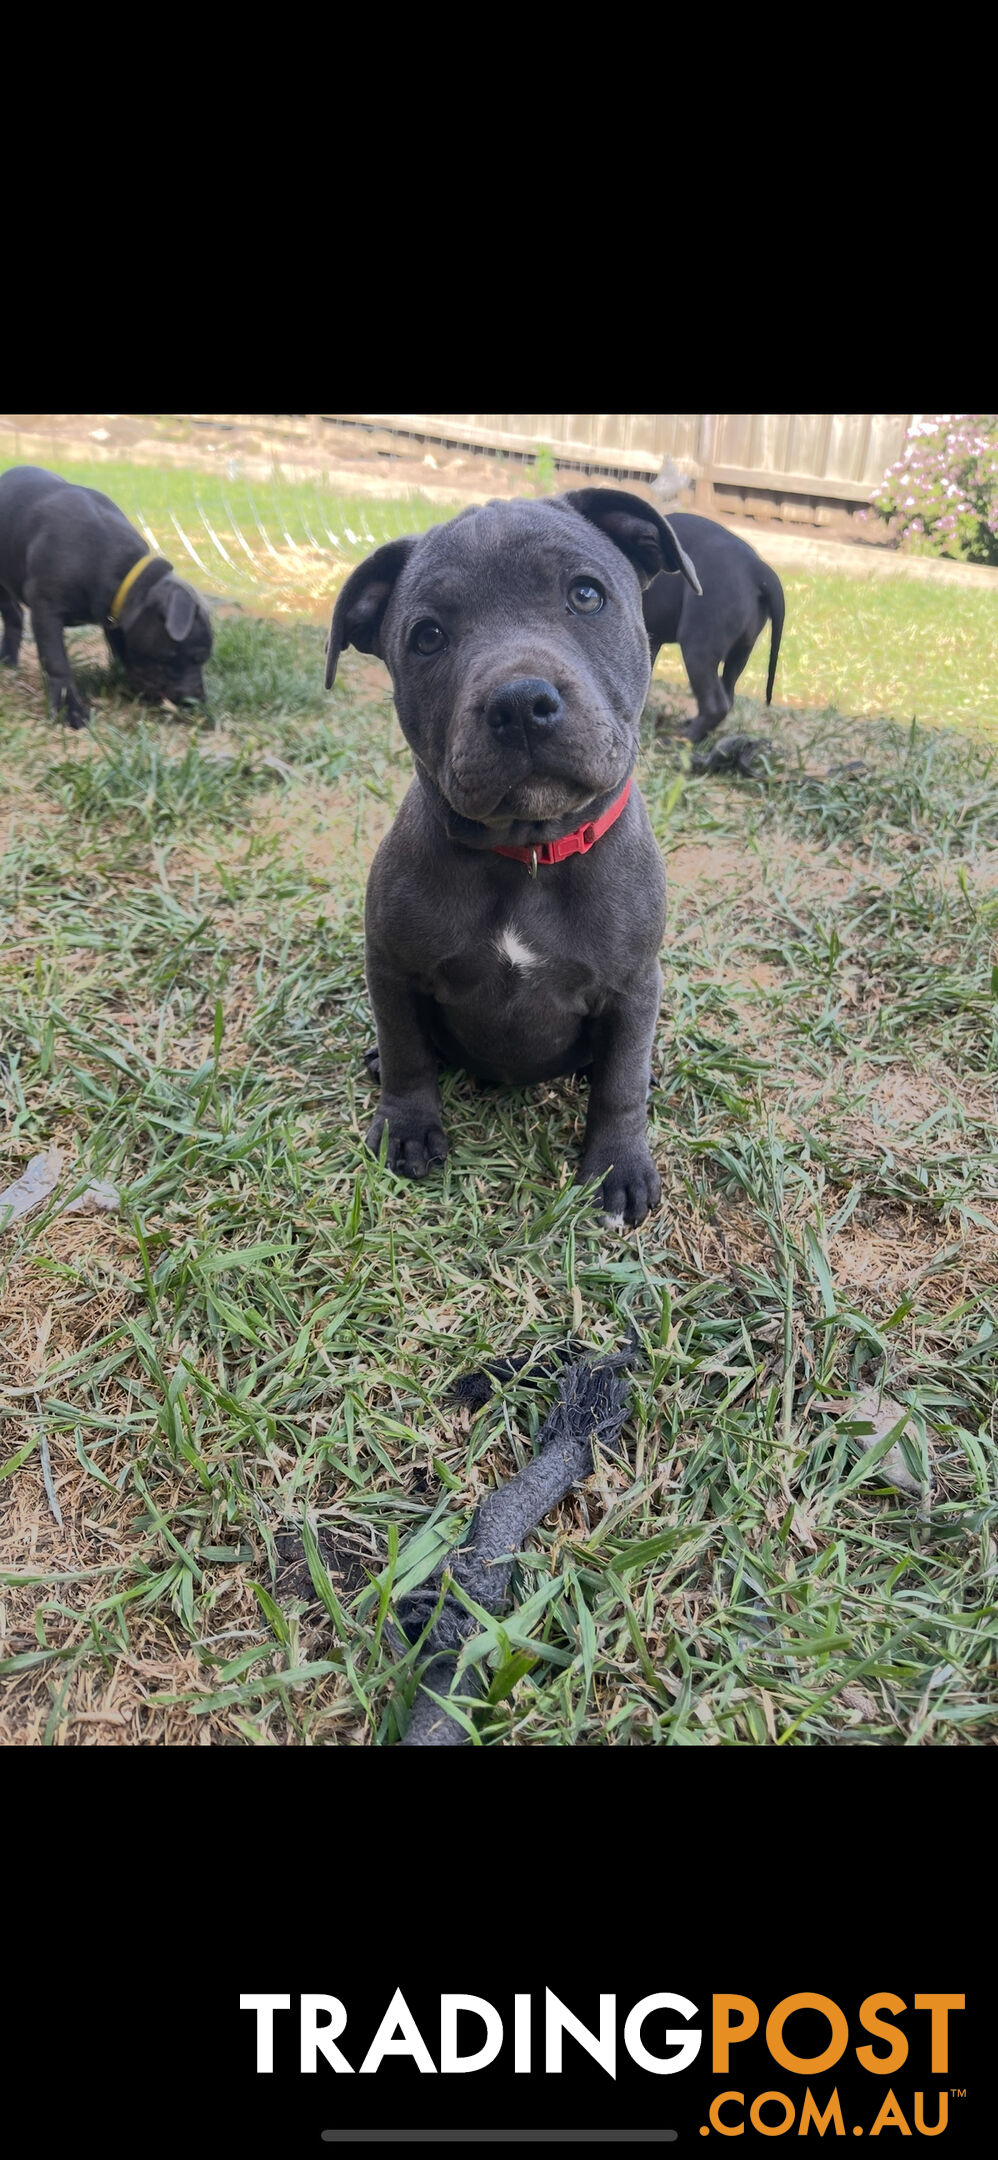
592 1405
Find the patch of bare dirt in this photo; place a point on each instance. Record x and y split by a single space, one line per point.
747 980
693 865
320 829
47 1314
830 872
25 808
978 869
879 1264
902 1099
890 1103
777 859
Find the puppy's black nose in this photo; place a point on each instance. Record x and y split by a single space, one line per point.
527 701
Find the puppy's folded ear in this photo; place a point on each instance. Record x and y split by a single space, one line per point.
646 538
360 606
181 608
140 594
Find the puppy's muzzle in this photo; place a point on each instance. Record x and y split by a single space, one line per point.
527 702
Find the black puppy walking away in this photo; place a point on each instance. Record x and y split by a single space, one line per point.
516 908
70 555
740 595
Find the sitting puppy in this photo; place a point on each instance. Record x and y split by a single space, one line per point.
516 908
740 595
70 555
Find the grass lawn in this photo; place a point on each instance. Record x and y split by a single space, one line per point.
225 1436
866 644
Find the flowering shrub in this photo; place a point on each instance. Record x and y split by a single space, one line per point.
941 498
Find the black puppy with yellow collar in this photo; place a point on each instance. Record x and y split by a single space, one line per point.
70 555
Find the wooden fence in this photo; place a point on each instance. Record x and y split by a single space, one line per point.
807 467
802 466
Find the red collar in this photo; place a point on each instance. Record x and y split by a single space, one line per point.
573 843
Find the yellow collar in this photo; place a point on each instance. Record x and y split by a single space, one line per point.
126 585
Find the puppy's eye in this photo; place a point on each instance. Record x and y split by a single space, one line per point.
427 637
585 597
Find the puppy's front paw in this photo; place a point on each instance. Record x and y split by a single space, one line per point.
69 709
631 1187
415 1140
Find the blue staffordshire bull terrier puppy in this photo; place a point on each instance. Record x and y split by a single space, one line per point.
740 594
70 555
516 909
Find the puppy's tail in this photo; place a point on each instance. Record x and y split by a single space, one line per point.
772 592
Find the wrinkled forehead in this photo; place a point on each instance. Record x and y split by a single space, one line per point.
506 552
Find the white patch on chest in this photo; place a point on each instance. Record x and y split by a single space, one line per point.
512 949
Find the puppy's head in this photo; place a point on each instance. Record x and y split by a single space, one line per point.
166 633
516 646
